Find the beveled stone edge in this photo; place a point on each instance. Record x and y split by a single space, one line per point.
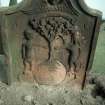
15 8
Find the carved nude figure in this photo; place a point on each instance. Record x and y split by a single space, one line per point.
28 53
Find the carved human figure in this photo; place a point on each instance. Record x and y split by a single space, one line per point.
75 51
28 52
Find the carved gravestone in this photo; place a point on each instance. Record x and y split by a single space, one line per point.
49 42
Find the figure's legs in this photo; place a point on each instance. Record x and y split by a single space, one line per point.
26 67
33 67
27 71
73 71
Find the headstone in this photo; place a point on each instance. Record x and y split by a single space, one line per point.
49 42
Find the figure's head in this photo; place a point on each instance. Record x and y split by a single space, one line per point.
33 23
28 34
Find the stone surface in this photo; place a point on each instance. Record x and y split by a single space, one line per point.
49 42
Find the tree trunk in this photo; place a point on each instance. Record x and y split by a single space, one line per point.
12 2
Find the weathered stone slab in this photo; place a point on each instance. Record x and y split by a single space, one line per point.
49 41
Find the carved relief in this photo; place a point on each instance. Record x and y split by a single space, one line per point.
51 49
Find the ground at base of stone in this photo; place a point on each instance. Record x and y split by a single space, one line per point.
31 94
